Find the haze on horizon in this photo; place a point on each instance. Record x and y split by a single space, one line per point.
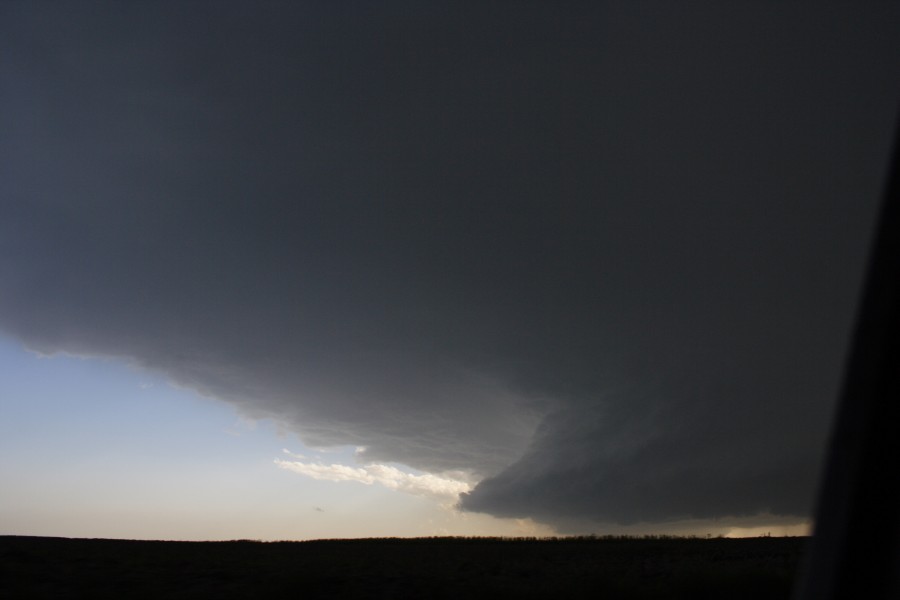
472 268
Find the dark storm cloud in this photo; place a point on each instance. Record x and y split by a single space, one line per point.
607 257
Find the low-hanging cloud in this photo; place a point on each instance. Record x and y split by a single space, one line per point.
603 259
426 484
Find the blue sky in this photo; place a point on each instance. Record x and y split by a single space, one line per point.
93 447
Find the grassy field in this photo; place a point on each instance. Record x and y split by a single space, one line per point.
591 567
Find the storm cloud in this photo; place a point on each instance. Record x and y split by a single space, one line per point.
604 258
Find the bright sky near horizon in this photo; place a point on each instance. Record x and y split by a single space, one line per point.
92 447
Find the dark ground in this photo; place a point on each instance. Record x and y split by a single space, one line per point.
599 568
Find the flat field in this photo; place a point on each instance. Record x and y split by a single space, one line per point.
590 567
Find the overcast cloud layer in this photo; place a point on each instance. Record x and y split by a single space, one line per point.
606 258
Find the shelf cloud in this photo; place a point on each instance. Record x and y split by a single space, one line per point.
602 259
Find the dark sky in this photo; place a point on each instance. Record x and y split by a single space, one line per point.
605 255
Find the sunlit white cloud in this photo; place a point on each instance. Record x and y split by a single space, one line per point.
429 485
